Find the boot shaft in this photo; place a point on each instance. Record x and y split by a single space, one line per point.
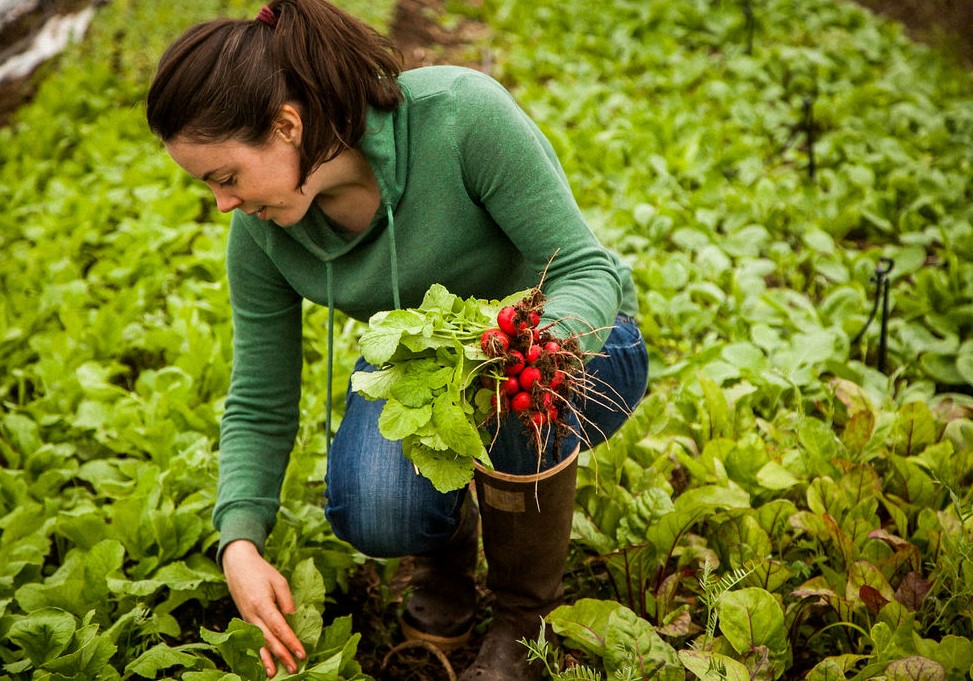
526 534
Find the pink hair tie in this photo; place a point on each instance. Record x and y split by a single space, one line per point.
267 16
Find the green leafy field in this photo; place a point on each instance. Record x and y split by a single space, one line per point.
790 501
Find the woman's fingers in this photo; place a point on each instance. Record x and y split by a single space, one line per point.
281 640
270 665
279 626
262 596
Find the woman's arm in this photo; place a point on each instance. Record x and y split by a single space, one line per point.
262 408
511 167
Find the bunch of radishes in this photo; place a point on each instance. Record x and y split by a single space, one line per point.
534 374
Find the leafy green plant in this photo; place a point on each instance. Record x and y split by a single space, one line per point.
771 443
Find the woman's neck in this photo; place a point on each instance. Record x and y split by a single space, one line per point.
348 191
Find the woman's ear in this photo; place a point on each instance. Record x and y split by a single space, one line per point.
288 125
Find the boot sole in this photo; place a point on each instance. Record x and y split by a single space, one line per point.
447 644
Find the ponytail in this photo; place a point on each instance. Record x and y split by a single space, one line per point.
229 78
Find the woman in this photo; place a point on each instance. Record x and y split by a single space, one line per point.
357 186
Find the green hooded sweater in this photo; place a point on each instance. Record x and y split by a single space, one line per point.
472 197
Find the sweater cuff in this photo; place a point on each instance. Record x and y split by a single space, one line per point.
240 526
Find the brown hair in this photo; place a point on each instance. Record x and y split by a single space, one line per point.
227 79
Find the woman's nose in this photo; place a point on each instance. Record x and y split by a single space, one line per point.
225 201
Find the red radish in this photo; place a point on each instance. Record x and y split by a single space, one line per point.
511 386
506 320
533 353
516 363
494 342
543 371
520 402
528 377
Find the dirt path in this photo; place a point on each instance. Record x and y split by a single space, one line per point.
941 23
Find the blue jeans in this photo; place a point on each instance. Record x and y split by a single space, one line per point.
377 502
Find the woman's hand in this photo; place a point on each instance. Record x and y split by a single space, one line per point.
262 596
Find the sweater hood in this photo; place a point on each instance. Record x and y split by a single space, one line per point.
386 146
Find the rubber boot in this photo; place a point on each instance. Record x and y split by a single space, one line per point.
441 605
526 530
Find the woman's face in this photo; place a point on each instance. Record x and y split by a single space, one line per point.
258 179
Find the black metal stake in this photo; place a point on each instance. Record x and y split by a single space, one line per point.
881 279
749 24
883 339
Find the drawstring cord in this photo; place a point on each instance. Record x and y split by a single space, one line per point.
330 281
394 258
327 399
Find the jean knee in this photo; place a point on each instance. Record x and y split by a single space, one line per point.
368 534
382 524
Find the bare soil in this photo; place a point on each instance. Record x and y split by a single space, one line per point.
946 24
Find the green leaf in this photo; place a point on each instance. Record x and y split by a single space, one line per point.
43 634
437 297
964 362
87 657
774 476
744 356
381 340
632 643
307 625
915 668
584 624
453 426
307 585
835 668
339 644
377 385
915 428
446 470
709 666
79 584
23 432
95 381
398 421
642 512
160 657
238 646
954 653
415 385
717 415
741 539
752 617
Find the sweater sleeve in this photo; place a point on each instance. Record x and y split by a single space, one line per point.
262 407
513 170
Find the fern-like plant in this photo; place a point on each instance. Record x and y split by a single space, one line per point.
713 589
